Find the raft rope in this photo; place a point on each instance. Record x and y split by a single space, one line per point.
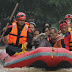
23 49
52 52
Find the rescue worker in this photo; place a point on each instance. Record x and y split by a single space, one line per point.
55 38
19 34
68 39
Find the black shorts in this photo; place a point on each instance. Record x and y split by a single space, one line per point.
11 50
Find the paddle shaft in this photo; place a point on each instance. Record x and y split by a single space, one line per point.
10 19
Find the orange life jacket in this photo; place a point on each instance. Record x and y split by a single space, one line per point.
14 33
6 38
70 42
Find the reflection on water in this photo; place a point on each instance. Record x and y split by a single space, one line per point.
30 69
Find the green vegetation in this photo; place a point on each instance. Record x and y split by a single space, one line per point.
39 10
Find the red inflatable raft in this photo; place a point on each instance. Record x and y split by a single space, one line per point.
49 56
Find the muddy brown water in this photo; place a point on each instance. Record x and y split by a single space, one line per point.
30 69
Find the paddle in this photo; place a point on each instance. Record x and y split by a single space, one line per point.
10 19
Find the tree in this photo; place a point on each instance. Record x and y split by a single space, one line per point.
42 10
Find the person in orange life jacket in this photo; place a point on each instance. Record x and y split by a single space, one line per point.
19 34
68 18
68 39
63 27
55 38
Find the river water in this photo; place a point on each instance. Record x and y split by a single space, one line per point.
31 69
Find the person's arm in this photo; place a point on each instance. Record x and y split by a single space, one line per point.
66 40
8 30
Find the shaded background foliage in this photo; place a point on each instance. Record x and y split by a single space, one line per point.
40 11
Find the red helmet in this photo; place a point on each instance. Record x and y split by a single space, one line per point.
68 16
21 16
